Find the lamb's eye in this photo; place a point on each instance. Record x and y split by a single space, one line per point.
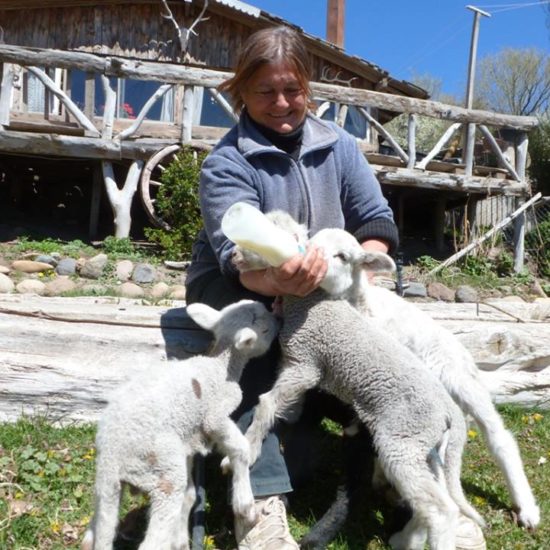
341 256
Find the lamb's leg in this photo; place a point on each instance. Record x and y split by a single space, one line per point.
292 383
234 444
181 529
102 530
451 458
165 515
475 400
434 511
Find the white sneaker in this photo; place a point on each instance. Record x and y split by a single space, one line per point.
469 535
270 531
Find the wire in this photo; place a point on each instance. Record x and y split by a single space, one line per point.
508 7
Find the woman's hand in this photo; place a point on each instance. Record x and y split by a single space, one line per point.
298 276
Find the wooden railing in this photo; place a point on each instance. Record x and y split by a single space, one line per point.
102 139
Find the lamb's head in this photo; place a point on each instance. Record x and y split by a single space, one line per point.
246 325
347 262
246 260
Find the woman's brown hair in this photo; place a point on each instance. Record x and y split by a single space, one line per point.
269 45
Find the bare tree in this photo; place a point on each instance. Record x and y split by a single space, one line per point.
515 81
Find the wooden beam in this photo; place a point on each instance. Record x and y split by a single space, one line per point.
182 74
5 93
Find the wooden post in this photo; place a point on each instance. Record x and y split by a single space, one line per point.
469 149
471 208
519 222
439 223
89 96
187 115
5 93
97 184
411 138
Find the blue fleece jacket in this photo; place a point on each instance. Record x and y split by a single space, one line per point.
329 185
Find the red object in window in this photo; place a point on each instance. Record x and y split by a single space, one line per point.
127 108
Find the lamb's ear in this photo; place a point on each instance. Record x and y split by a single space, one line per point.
205 316
377 261
245 338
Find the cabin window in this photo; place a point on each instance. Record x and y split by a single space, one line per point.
35 95
355 122
212 113
131 97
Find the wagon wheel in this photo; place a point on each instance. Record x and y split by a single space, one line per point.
150 182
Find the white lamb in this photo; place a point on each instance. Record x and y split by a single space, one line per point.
417 429
156 423
436 347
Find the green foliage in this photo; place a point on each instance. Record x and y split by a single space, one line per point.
538 243
177 203
49 246
539 152
118 247
426 263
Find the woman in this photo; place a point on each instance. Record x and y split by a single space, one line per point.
279 156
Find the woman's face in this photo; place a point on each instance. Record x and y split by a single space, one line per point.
274 97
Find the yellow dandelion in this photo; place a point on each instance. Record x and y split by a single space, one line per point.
479 501
537 417
55 527
472 434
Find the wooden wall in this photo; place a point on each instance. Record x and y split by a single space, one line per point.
138 31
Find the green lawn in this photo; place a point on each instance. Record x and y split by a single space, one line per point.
46 477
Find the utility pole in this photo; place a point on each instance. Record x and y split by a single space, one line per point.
469 137
473 55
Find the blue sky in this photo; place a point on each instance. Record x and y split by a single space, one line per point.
407 37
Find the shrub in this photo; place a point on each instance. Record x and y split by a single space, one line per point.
177 203
538 243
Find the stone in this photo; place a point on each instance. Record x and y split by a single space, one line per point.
30 266
415 290
160 290
6 284
60 285
177 292
94 267
47 259
4 269
512 299
439 291
31 286
144 274
124 270
131 290
466 295
66 266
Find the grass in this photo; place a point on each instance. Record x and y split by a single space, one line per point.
46 477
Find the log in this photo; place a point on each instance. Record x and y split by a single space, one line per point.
61 357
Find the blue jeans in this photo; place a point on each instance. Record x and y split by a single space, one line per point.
269 474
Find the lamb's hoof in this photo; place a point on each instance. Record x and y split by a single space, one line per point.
311 543
528 517
247 514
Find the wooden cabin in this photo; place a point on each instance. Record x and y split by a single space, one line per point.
96 96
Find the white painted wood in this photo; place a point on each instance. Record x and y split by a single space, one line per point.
411 140
443 140
132 129
50 85
496 149
385 133
5 93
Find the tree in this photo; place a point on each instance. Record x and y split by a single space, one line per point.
515 81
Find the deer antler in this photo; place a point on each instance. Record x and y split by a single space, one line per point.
183 32
335 79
